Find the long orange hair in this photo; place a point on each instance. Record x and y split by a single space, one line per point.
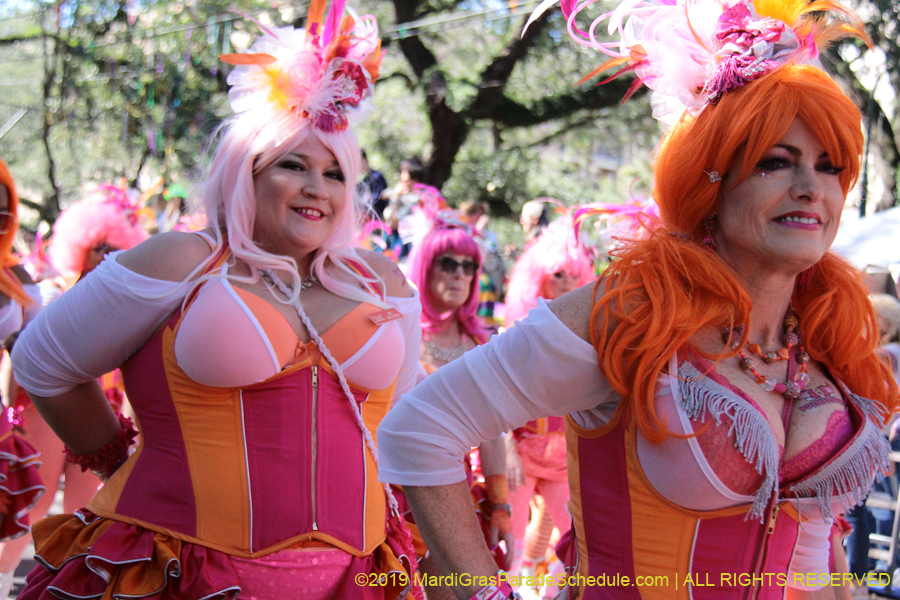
9 283
662 290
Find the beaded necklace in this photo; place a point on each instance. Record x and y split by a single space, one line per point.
446 354
791 388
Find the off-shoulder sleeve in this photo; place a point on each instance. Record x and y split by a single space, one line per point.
92 328
410 308
37 304
537 368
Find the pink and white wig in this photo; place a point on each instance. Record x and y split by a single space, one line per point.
105 216
556 250
248 143
442 239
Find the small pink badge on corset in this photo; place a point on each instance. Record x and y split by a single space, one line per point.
386 315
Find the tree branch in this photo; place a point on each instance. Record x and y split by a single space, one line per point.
397 75
511 113
32 205
420 58
496 75
562 130
22 38
881 131
51 203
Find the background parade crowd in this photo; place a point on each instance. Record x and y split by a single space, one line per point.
305 371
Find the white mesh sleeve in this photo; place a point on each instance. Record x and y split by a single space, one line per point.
92 328
410 308
35 294
537 368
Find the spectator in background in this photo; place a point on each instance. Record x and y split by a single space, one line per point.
376 184
863 519
493 271
175 207
887 308
403 196
401 199
534 218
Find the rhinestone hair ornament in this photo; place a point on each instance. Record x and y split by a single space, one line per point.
690 52
321 73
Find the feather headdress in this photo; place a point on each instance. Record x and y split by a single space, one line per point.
320 73
631 220
690 52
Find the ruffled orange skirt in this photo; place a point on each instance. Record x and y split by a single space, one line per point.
20 483
86 556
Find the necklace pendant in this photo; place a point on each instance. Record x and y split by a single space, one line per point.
791 390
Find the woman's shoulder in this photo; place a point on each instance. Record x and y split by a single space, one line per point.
170 256
394 281
574 309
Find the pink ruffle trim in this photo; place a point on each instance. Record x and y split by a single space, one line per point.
84 556
20 484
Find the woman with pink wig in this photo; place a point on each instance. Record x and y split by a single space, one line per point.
552 266
445 265
258 355
104 221
20 484
536 454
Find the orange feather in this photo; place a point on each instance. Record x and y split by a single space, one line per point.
247 59
614 62
315 16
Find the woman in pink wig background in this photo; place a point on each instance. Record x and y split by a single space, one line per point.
85 232
449 298
445 265
536 454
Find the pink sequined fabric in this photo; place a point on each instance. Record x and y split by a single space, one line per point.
312 575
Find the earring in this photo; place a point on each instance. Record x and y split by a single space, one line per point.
714 176
710 225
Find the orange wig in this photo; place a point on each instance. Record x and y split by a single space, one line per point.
663 290
9 283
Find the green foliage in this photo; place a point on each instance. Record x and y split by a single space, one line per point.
134 88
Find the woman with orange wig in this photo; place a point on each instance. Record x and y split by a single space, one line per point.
721 386
20 484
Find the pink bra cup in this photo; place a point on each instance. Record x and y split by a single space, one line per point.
232 338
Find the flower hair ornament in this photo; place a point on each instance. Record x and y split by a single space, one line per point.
321 73
690 52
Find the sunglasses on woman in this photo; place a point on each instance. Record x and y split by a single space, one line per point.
7 220
449 266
